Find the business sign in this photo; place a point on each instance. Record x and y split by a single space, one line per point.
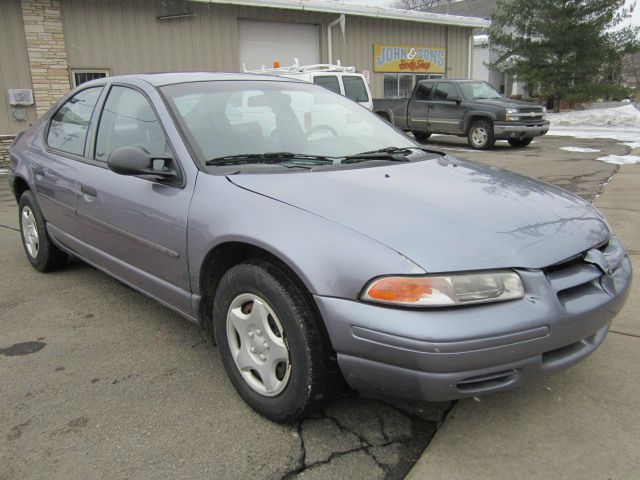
408 59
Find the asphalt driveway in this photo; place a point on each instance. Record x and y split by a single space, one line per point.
98 381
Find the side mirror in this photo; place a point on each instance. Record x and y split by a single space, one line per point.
453 97
136 161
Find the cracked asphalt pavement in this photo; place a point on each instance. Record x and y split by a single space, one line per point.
98 381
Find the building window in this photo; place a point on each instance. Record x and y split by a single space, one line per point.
400 85
80 76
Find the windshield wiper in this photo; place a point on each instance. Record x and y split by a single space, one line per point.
391 154
268 158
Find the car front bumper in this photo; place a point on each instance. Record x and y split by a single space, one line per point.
509 130
444 354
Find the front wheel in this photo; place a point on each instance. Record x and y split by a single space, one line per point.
519 142
421 136
481 135
43 255
271 343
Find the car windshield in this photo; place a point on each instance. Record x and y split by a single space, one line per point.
479 90
222 119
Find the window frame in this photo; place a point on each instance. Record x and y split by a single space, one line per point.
430 76
180 181
45 140
73 71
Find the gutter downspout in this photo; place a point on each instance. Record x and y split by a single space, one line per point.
471 51
342 21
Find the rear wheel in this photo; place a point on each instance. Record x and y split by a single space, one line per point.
271 342
519 142
480 135
43 255
421 136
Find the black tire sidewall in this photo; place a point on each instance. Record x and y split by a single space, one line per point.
27 200
297 320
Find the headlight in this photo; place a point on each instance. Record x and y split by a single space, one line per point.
445 290
512 115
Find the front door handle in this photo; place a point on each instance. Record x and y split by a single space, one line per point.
87 190
39 171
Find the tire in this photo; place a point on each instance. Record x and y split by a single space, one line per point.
43 255
519 142
480 135
260 311
421 136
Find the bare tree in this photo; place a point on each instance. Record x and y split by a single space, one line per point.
420 4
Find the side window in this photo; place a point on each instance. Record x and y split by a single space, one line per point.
443 89
424 91
69 126
354 88
128 120
330 82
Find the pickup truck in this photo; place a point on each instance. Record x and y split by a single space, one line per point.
464 108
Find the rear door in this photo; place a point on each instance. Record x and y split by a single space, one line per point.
356 89
136 228
55 169
445 115
418 107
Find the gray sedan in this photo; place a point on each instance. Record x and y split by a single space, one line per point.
314 241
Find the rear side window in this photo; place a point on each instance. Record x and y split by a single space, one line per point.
129 121
330 82
355 89
424 90
444 89
69 126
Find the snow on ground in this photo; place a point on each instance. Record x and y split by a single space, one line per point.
619 117
621 159
580 149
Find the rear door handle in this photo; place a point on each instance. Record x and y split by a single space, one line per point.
87 190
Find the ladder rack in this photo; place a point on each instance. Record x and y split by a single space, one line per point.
297 68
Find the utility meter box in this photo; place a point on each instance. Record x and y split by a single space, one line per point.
20 97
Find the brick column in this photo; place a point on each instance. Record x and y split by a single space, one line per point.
46 50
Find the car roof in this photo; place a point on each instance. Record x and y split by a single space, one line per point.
162 79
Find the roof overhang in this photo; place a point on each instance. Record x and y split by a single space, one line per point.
337 7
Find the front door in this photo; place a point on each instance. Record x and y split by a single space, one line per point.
445 116
136 228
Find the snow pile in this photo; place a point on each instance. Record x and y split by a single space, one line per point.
620 117
580 149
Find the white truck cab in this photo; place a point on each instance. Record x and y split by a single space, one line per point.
342 80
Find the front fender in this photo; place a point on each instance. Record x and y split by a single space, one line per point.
330 259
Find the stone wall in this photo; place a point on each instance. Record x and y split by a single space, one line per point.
46 50
5 143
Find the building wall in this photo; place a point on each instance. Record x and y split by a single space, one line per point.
480 59
125 37
14 65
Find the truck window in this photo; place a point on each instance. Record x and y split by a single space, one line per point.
443 89
330 82
355 89
424 90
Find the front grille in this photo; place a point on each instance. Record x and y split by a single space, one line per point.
530 110
574 278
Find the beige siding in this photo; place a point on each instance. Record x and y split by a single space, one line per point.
14 66
125 37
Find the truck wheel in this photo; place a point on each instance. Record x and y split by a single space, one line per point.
421 136
481 135
271 342
43 255
519 142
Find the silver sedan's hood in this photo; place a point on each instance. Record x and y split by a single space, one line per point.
445 214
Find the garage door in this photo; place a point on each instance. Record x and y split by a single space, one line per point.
262 43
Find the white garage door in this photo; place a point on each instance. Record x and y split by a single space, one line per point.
262 43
